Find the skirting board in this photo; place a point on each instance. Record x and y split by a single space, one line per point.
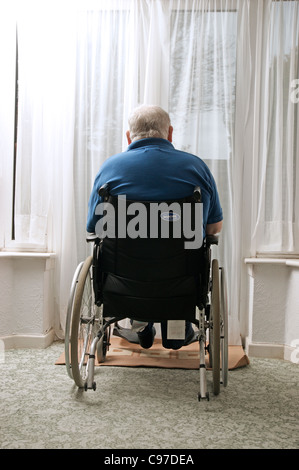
28 341
270 351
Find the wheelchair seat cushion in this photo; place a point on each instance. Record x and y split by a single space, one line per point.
151 301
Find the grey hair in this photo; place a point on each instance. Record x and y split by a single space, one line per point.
147 121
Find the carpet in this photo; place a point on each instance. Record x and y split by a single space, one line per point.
124 354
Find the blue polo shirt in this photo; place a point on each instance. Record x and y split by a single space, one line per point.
153 170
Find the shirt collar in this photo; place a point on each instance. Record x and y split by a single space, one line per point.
150 141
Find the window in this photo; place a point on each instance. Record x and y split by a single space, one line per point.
203 74
278 220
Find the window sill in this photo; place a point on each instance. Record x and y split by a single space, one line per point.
47 258
282 261
25 254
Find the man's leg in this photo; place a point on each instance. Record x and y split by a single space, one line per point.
176 343
146 336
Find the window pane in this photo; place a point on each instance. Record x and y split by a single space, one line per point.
202 70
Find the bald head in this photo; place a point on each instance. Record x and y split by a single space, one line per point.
148 121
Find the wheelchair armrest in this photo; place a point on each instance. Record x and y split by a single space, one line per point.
212 240
91 237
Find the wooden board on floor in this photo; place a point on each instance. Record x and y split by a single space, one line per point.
124 354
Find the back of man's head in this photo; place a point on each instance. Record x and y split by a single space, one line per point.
148 121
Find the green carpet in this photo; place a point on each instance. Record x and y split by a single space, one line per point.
145 408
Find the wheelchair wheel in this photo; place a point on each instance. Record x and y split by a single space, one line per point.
84 324
67 344
223 328
214 329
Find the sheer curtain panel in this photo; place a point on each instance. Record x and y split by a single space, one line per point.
276 173
45 213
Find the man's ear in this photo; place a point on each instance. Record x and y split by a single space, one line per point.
128 137
170 131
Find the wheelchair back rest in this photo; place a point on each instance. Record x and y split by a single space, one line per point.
151 257
150 240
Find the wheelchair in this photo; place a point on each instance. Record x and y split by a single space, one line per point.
150 280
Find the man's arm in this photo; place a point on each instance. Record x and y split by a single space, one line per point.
213 229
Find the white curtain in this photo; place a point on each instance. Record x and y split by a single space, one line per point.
84 65
45 213
276 172
202 96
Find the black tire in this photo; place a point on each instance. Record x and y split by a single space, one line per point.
214 332
67 337
223 328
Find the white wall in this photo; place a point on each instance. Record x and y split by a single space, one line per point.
27 303
273 313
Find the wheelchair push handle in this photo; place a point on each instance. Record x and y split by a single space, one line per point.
92 237
104 191
197 194
212 240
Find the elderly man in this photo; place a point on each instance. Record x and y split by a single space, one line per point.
151 169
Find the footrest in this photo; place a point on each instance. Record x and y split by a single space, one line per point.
193 338
126 333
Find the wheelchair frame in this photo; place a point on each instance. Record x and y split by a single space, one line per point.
87 331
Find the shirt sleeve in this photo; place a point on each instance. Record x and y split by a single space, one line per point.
215 210
94 200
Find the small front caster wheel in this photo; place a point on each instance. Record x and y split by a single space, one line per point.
207 397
